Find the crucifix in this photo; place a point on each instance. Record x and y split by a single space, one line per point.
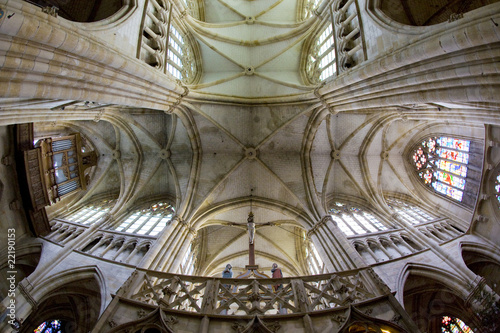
251 239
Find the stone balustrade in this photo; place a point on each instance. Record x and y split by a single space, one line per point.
107 244
220 296
394 244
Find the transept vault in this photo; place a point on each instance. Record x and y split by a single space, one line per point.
150 149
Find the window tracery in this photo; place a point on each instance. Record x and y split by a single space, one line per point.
355 221
321 60
149 221
411 213
92 213
442 163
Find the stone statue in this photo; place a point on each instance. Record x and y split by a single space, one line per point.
227 273
277 274
251 228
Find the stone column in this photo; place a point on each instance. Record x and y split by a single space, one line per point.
340 254
160 246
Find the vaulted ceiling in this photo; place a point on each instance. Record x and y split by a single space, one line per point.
250 135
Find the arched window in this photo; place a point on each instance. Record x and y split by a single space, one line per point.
409 212
189 261
314 261
92 213
354 221
51 326
321 59
442 163
174 62
149 221
454 325
163 45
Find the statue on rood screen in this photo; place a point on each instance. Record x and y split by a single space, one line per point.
277 274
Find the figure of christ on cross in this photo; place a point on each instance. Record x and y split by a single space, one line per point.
251 227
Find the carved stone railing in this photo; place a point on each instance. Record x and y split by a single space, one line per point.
107 244
440 230
385 246
243 297
348 34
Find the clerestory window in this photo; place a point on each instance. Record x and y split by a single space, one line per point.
91 213
149 221
442 163
354 220
163 44
314 261
174 62
321 62
409 212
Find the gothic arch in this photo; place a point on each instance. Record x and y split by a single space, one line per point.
295 214
416 13
75 296
27 257
483 261
85 12
427 293
358 322
155 322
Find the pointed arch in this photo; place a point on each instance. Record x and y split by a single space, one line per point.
77 296
484 261
428 293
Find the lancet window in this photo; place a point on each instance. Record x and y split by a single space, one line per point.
314 261
189 261
409 212
91 213
321 61
149 221
441 163
354 220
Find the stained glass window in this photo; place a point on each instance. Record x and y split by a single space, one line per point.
354 221
454 325
497 188
149 221
92 213
441 163
409 212
51 326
